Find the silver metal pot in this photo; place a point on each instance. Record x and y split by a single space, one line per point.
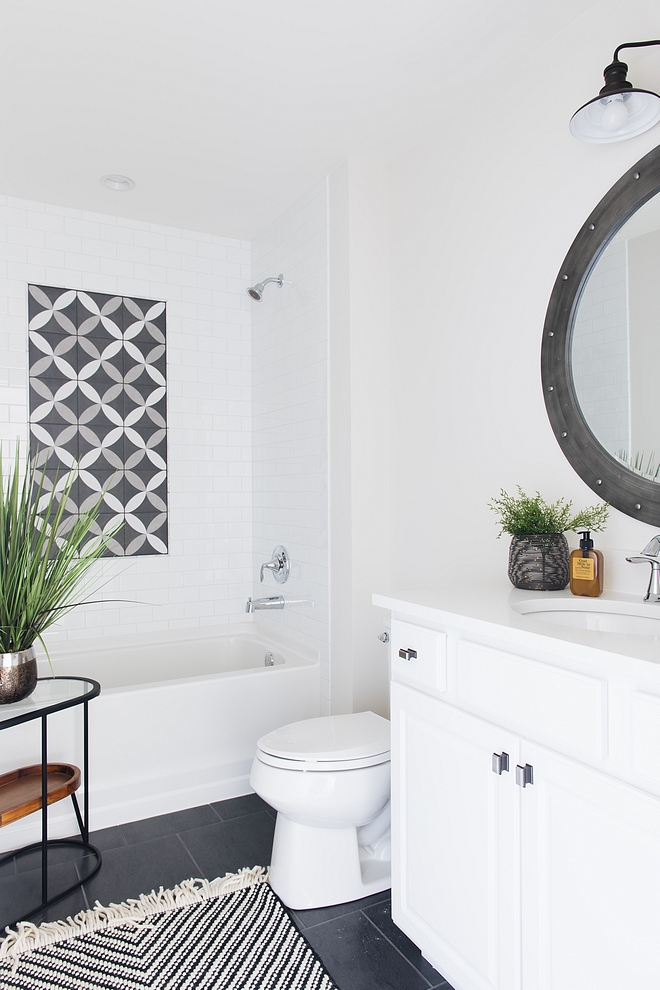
18 675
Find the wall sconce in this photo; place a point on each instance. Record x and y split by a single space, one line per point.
619 111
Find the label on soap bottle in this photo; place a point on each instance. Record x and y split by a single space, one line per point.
583 569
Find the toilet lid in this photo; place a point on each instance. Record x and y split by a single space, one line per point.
358 740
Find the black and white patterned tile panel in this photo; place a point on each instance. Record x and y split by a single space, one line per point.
98 404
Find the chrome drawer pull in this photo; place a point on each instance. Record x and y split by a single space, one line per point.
408 654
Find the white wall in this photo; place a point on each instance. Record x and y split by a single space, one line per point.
205 578
290 408
359 432
483 213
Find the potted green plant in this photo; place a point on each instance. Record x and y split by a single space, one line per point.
44 558
538 555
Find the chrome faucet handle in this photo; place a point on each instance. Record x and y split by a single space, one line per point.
279 566
653 590
652 548
272 565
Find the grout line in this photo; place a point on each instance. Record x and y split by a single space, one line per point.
216 813
82 886
122 836
327 921
412 965
196 864
336 917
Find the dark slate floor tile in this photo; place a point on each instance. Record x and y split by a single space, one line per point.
8 869
21 893
238 807
140 868
56 854
68 907
107 838
381 915
359 957
316 916
177 821
227 846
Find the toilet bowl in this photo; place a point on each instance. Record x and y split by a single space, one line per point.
329 781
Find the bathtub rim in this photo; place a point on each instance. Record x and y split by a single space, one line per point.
302 655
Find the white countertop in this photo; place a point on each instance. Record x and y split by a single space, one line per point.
486 609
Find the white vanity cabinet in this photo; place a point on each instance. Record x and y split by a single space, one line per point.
542 876
454 865
590 879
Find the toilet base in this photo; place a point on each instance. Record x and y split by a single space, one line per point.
315 867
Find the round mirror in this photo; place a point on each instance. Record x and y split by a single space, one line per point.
601 346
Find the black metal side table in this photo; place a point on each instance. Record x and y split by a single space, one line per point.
54 694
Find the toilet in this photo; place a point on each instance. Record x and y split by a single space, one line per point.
329 781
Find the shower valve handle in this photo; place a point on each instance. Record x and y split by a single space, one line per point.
279 566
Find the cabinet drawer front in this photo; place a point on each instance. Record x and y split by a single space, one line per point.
429 667
544 702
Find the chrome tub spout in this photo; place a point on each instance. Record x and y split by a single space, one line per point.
255 604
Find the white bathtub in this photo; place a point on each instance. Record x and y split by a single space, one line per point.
175 726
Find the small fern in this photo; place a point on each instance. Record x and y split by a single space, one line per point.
530 514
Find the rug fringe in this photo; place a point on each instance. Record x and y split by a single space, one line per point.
29 937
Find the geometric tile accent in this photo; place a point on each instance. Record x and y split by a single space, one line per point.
98 406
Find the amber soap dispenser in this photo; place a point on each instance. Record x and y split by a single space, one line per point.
586 568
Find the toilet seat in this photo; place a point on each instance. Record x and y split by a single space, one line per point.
335 742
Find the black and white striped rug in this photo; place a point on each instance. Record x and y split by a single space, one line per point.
228 934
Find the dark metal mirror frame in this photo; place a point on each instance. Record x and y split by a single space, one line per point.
609 478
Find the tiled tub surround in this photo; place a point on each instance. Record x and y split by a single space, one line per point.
290 409
98 405
206 576
176 723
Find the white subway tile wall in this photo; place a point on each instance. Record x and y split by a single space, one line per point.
207 575
290 421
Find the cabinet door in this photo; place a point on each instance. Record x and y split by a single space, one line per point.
590 879
455 881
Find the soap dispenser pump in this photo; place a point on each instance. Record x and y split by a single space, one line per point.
586 568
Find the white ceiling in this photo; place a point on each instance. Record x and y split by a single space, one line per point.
225 111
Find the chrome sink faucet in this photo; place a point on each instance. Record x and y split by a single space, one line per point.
651 555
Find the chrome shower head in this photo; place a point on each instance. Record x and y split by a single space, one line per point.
256 291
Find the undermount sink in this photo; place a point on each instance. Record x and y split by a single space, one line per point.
631 618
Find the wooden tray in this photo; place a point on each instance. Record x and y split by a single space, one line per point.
20 790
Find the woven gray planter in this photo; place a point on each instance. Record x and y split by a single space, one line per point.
539 562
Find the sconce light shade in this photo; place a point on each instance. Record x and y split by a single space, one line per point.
619 111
